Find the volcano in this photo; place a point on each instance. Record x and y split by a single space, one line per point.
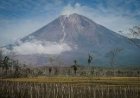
75 37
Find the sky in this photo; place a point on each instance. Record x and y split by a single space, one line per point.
18 18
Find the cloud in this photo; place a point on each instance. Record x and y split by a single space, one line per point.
12 30
114 20
18 19
69 9
39 47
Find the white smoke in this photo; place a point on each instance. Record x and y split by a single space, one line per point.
105 17
40 47
69 9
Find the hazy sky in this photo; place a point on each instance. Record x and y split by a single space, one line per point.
19 18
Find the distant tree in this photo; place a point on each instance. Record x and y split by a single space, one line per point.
51 61
40 72
1 60
50 70
89 59
75 66
27 71
113 56
12 55
17 69
6 64
55 70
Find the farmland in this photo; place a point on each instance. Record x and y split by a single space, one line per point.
74 81
70 87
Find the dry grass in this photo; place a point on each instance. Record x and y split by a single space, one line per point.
81 80
70 87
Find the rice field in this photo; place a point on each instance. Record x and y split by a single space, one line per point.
70 87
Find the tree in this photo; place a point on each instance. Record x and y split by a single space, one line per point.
51 60
50 70
27 71
75 66
6 64
17 68
55 71
113 57
89 59
1 60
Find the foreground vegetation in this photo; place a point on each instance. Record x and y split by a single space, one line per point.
83 80
70 87
73 81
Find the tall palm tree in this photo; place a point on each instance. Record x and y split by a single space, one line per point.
89 59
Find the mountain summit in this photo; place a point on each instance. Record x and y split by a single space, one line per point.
63 26
74 37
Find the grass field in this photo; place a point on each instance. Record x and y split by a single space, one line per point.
70 87
79 80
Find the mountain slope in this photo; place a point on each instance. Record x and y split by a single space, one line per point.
74 37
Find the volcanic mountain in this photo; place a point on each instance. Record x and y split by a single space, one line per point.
75 37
